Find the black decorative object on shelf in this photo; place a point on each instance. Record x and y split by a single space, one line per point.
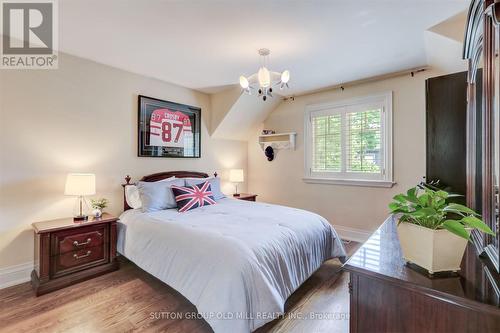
269 152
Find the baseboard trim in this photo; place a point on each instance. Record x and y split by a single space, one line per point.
353 234
17 274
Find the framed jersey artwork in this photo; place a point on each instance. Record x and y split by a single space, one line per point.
168 129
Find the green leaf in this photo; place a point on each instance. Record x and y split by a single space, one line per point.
454 211
423 200
456 227
428 211
394 205
399 197
439 203
403 210
425 212
442 194
474 222
411 195
458 207
416 214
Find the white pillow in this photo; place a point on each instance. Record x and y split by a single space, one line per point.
132 196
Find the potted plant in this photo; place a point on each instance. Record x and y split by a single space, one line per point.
98 205
433 232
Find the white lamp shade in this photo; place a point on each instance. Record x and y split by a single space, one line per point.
236 176
244 82
264 77
80 184
285 76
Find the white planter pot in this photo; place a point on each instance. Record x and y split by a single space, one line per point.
434 250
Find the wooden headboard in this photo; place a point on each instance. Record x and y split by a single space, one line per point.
162 175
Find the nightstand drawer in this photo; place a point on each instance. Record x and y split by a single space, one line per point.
70 262
78 239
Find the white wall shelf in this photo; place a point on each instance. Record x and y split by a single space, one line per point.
278 140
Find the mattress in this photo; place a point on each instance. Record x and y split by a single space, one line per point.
236 261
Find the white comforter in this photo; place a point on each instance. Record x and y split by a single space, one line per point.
236 261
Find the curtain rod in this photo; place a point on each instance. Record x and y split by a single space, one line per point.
411 71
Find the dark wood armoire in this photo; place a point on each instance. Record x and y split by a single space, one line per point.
386 295
481 49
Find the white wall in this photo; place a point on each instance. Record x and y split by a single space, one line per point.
348 207
82 118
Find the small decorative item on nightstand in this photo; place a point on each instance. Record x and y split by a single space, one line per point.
67 252
80 185
98 205
236 176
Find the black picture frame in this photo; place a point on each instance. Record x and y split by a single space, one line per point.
163 129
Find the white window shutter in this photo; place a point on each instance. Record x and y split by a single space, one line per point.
349 140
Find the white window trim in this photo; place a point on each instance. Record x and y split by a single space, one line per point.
387 176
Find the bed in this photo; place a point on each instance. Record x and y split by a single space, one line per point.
236 261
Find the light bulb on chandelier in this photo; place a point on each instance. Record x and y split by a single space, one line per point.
264 80
244 82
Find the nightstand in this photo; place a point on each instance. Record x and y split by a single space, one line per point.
67 252
246 197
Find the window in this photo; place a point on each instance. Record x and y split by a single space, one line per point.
350 142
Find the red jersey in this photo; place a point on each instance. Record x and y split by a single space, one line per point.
169 128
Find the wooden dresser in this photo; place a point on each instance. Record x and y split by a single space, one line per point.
388 296
67 252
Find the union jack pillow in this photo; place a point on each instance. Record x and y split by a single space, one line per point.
191 197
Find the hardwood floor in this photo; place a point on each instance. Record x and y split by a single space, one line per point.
125 301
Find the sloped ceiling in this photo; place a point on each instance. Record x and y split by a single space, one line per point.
444 44
453 28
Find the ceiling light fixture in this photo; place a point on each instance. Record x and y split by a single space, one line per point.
264 80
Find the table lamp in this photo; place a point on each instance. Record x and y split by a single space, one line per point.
236 176
80 185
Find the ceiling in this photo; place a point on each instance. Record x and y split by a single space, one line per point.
206 45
